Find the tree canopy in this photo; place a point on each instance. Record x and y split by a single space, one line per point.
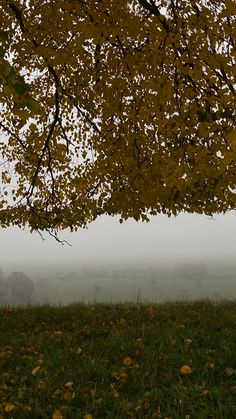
115 107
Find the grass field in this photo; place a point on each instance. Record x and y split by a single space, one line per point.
170 360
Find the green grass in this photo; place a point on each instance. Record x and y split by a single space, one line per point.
119 361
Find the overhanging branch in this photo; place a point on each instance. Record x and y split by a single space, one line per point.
154 10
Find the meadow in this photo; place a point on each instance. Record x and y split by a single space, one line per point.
172 360
113 282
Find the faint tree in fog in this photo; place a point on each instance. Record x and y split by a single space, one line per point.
21 288
3 288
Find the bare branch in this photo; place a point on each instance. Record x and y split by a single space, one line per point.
13 135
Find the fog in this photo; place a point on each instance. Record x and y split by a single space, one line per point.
183 257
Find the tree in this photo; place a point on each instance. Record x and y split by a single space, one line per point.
3 289
136 112
21 288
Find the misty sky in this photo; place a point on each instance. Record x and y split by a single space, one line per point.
185 236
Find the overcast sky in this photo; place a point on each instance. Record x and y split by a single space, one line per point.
185 236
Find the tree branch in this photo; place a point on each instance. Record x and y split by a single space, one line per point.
23 145
18 15
154 10
46 146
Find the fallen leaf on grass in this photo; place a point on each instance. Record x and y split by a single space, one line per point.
68 396
136 366
69 384
146 405
209 365
185 369
9 407
113 390
127 361
93 393
172 340
57 414
21 392
5 388
35 370
30 349
119 375
41 385
156 414
88 416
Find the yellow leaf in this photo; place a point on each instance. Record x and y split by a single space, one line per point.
69 384
57 414
67 396
209 365
93 393
136 366
35 370
41 384
127 361
88 416
9 407
157 414
188 341
123 374
185 369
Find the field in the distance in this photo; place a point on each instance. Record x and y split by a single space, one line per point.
170 360
112 281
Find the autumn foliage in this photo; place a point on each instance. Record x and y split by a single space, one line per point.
115 107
